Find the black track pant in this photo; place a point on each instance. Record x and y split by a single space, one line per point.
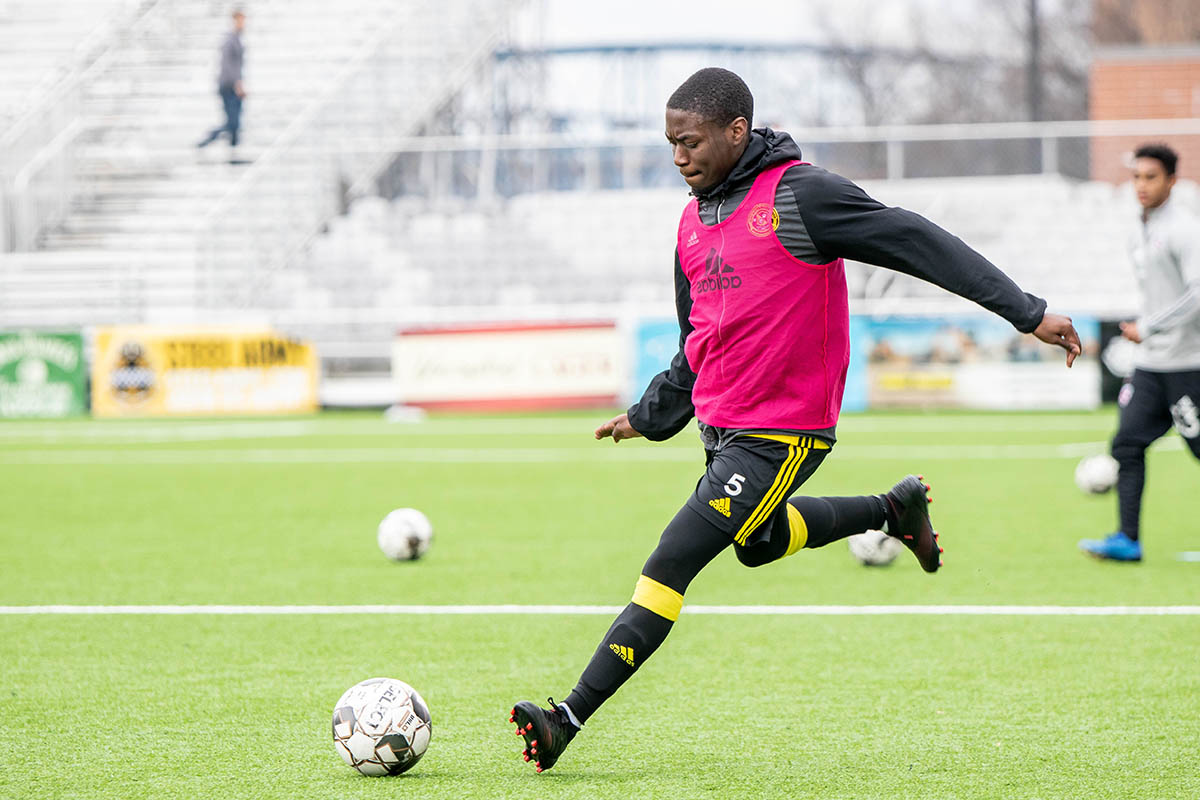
1150 403
690 542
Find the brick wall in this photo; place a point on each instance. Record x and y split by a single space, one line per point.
1144 83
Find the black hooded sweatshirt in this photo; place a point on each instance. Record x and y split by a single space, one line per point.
824 217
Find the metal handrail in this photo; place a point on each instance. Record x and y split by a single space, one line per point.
277 162
60 107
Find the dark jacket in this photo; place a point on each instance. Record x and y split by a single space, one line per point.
823 217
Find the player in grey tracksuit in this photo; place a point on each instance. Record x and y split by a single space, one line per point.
1165 387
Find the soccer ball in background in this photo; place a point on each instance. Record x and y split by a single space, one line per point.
405 534
874 548
1096 474
381 727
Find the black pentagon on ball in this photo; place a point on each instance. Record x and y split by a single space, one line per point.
414 547
419 707
342 715
394 744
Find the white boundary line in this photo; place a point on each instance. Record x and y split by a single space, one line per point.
124 431
468 610
598 453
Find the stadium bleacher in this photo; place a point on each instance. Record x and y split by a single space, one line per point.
1057 237
40 42
147 210
156 231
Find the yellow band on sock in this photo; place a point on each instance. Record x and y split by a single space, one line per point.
662 600
798 529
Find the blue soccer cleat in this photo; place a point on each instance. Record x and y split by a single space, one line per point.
1117 547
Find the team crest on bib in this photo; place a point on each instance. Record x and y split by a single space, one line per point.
763 220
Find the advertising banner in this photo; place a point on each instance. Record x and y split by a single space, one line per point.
42 374
970 362
656 341
959 361
509 366
165 371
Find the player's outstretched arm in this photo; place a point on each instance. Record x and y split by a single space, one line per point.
618 428
1057 330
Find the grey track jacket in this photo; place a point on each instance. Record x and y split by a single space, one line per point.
1165 251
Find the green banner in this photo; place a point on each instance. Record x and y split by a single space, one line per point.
42 374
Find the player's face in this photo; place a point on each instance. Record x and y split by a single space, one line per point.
1151 182
704 152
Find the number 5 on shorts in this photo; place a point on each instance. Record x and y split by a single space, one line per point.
734 487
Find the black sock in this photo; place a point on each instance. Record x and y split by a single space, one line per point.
831 518
688 543
633 637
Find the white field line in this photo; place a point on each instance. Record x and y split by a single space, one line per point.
472 610
597 453
200 430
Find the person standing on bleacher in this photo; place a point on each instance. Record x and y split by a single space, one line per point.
229 83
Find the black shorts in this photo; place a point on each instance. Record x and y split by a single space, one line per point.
749 476
1151 402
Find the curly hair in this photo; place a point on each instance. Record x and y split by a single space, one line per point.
1160 152
716 94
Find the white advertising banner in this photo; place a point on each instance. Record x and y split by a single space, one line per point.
510 366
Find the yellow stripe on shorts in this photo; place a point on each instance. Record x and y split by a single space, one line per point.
806 441
774 437
783 480
654 596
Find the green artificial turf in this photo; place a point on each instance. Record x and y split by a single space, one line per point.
532 511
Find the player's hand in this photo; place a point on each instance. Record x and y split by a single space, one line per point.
1130 331
618 428
1057 330
239 90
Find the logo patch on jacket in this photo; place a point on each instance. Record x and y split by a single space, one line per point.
693 240
763 220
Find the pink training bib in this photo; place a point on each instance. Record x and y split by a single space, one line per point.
771 342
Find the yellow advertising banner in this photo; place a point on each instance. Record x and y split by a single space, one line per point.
151 370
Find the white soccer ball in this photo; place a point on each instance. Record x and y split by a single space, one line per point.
874 548
381 727
405 534
1096 474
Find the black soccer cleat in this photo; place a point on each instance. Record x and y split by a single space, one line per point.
909 521
546 732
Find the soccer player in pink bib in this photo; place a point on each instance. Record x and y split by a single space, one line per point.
761 297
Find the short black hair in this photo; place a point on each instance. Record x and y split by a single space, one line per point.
1159 151
716 94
